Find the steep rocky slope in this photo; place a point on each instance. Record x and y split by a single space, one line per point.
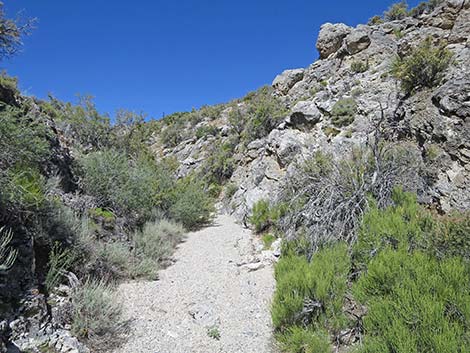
354 66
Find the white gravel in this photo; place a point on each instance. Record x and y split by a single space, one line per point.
220 279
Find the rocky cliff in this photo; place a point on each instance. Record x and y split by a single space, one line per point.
354 69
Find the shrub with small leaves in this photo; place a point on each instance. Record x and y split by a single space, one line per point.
359 66
343 112
397 11
423 67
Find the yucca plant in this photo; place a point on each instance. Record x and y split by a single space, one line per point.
7 254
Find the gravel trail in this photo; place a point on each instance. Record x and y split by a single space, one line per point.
221 280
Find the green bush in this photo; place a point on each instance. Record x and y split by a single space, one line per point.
299 339
124 185
220 165
343 112
96 315
321 284
423 67
359 66
268 240
205 131
397 11
60 261
264 216
191 205
415 303
157 240
24 188
375 20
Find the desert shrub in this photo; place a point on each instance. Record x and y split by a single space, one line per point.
415 303
158 239
423 67
419 9
359 66
375 20
230 190
264 215
23 190
263 113
397 11
298 339
191 205
173 133
7 254
205 131
60 261
81 122
220 165
327 197
116 257
343 112
311 293
407 225
268 240
96 315
126 185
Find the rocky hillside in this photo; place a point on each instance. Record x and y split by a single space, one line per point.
352 79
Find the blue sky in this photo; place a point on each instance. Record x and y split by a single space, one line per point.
165 56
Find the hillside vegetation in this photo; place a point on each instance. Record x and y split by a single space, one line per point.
359 165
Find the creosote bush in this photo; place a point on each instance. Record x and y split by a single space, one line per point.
423 67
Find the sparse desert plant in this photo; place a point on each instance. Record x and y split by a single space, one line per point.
397 11
264 215
375 20
423 67
214 333
327 198
157 240
96 315
358 66
268 240
7 254
343 112
60 261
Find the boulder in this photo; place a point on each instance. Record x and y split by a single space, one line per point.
330 38
286 80
304 114
357 41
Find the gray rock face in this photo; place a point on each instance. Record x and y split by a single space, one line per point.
431 120
285 81
331 38
357 41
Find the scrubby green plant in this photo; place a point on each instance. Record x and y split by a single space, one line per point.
25 189
191 205
230 190
172 134
397 11
157 240
299 339
264 215
423 67
214 333
268 240
220 164
331 131
398 33
205 131
13 30
343 112
96 314
375 20
7 254
358 66
60 261
415 303
311 292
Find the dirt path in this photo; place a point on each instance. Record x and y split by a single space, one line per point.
220 280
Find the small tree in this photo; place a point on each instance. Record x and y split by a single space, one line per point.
11 33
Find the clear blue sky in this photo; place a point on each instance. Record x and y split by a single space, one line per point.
168 55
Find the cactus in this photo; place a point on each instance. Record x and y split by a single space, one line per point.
7 254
